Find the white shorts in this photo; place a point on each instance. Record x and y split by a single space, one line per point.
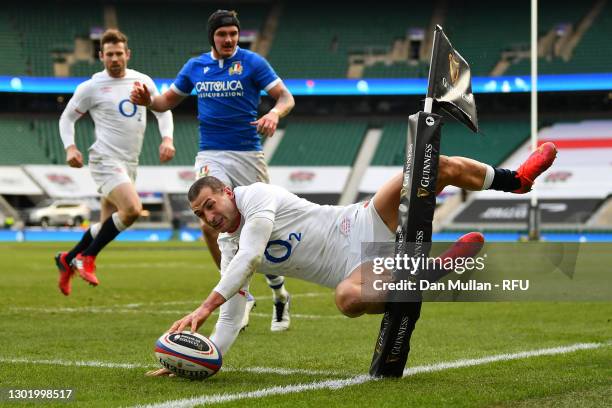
368 227
234 168
108 173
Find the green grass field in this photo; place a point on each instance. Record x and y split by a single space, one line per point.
99 342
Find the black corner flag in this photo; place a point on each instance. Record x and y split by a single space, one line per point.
450 87
450 81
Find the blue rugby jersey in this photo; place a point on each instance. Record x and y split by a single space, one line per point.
228 92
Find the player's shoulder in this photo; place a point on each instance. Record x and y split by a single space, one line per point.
133 74
89 83
203 58
252 189
256 193
249 55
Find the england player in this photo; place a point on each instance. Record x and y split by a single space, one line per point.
266 229
113 158
228 81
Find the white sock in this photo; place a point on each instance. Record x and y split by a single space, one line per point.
489 175
117 221
94 229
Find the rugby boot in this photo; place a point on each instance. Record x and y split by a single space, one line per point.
280 315
537 163
86 265
66 271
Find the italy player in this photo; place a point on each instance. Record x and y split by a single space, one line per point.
266 228
113 158
228 82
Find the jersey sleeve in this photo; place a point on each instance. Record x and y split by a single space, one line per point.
81 100
264 76
183 85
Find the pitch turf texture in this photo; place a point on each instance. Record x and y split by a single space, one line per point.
99 341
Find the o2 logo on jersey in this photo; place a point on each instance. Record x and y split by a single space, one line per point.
128 109
278 251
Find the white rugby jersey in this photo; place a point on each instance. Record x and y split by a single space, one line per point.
119 124
308 240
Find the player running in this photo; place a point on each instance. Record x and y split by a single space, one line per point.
228 82
266 228
113 158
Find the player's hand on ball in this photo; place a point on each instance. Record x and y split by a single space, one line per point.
160 372
266 125
194 320
166 150
74 158
140 94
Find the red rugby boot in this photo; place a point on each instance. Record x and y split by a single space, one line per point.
467 246
537 163
66 272
86 265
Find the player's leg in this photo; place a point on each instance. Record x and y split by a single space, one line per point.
125 199
472 175
65 260
355 295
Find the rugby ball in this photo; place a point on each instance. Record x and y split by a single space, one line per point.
188 355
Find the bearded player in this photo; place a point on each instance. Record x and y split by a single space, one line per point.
113 158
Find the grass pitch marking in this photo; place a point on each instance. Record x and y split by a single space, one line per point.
363 378
106 364
114 310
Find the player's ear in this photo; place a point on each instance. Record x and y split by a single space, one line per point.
228 191
128 54
101 55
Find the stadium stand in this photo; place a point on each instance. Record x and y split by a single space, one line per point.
44 29
590 53
499 138
13 61
19 143
47 134
164 55
319 144
322 50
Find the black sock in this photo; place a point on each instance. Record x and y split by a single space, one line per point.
107 233
505 180
83 243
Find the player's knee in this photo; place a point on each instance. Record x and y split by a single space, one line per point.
348 299
131 213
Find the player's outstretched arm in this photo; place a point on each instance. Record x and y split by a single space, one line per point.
196 318
267 124
140 95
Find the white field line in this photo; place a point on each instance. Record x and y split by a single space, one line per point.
363 378
136 265
105 364
113 310
197 302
